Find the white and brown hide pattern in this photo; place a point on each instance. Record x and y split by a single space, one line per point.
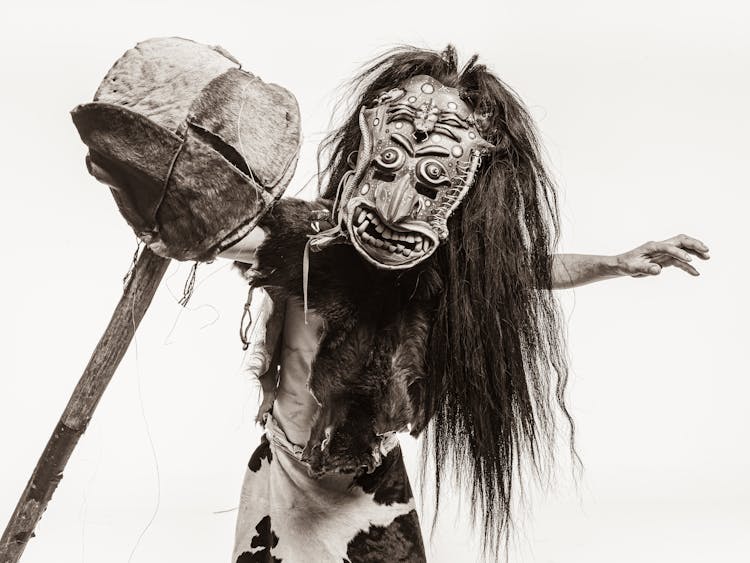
285 515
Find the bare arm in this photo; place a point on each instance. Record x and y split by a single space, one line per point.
572 270
245 250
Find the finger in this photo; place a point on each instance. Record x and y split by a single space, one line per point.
670 249
685 267
645 268
698 253
691 243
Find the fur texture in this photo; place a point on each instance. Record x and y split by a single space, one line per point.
468 345
495 363
195 148
369 373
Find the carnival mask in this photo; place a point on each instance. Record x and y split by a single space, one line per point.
417 159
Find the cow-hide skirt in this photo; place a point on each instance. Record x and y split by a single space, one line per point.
287 516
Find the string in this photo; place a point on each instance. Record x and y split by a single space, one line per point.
129 274
145 420
226 510
177 318
84 505
247 320
187 290
306 274
307 183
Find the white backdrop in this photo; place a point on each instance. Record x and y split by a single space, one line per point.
643 109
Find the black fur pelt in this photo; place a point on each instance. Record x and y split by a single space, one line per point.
368 375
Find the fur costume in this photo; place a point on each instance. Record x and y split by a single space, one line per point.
464 345
427 261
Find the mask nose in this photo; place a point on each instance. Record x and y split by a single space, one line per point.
395 201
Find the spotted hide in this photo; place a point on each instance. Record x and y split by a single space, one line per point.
343 495
287 516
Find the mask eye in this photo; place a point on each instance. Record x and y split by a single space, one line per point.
432 173
452 121
390 159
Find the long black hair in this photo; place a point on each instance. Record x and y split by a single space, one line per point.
496 359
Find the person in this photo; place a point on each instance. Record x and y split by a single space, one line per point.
415 294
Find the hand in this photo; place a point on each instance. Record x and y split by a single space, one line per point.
649 258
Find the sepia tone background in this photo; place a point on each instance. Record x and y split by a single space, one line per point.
643 110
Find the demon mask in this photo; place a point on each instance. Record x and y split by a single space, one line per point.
419 153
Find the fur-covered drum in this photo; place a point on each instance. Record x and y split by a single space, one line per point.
195 149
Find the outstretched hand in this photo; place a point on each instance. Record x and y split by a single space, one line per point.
650 258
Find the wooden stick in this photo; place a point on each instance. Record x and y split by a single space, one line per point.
48 472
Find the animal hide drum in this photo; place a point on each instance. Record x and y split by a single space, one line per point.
195 149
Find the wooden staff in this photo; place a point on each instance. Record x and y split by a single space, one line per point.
48 472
